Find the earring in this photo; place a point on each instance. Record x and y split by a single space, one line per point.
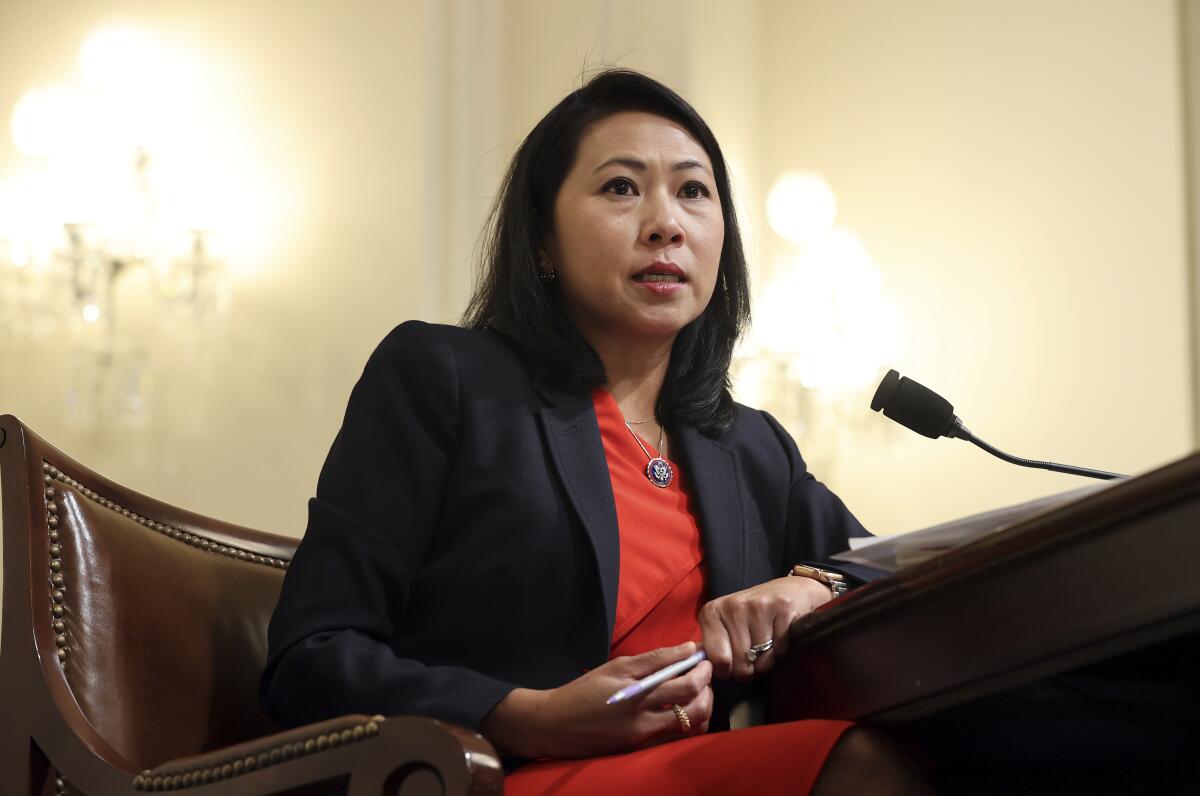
546 274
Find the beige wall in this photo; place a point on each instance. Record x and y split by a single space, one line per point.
1016 169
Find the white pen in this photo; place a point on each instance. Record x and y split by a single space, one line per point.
661 676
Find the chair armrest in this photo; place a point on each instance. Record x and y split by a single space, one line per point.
356 753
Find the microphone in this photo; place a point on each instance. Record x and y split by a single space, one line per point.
919 408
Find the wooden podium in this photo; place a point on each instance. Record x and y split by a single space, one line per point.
1109 573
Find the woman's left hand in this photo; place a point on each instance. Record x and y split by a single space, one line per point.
735 622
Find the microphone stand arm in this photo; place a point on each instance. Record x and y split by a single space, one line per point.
962 432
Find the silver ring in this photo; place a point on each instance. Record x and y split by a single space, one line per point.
759 650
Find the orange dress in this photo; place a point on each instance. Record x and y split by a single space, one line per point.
661 588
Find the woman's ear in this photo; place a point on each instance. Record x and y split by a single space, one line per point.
545 260
545 267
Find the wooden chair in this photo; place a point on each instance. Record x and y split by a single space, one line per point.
134 634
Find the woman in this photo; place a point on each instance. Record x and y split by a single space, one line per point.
520 517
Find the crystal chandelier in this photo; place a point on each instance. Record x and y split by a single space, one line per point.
85 248
824 328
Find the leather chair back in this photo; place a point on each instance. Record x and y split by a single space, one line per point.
158 616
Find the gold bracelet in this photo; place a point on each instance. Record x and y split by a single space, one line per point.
834 580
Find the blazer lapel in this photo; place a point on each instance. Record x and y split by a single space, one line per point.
573 435
712 473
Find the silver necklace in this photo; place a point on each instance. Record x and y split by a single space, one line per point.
658 469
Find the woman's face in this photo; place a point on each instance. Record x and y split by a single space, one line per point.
638 229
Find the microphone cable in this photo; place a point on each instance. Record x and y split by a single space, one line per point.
920 409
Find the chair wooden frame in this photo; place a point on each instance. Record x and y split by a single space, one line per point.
48 746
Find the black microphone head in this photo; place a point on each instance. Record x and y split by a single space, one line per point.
886 390
914 406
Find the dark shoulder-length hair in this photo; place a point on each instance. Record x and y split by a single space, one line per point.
510 299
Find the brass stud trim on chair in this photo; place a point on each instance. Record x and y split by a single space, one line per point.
192 540
150 780
57 581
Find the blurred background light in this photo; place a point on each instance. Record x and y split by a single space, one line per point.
47 120
801 205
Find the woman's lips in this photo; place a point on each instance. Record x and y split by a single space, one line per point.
661 277
662 286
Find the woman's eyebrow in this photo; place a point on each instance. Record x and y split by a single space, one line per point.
639 165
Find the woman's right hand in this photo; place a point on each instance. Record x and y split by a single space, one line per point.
574 720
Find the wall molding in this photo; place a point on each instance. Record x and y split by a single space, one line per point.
1189 56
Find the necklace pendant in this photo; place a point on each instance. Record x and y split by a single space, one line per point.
659 472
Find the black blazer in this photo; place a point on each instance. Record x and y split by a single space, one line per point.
463 539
